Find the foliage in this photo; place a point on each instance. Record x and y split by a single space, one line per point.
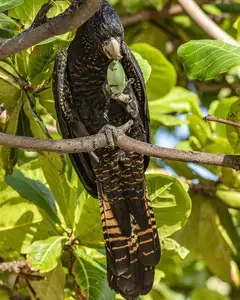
46 215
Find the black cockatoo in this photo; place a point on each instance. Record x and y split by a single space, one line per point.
112 175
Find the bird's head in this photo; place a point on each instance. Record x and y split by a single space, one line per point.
108 31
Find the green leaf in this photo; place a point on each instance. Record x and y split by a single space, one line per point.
199 129
230 178
171 259
220 109
216 145
178 100
9 94
188 236
228 195
20 62
46 100
238 25
166 120
45 254
52 287
212 9
32 169
40 64
206 59
88 222
4 294
91 278
27 11
53 167
159 4
171 203
213 246
20 224
9 155
33 191
8 27
233 132
163 76
229 7
181 168
9 4
228 226
146 32
202 235
64 193
144 66
205 293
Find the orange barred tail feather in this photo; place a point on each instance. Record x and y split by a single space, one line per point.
118 256
129 228
131 259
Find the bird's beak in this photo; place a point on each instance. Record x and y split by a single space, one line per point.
112 49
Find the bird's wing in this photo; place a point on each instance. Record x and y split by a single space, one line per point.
133 70
70 123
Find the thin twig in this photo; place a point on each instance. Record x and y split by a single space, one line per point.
71 18
216 87
151 14
31 289
211 28
209 190
210 118
14 78
94 142
79 293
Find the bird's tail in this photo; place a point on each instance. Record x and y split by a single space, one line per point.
130 233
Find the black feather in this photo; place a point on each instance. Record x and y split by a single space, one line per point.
130 233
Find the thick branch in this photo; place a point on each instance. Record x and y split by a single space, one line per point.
211 28
72 18
91 143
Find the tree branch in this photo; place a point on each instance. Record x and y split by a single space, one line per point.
17 267
211 28
74 16
94 142
209 118
151 14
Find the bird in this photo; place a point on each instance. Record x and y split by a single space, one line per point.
114 176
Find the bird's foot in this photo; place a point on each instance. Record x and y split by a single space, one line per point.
105 115
129 82
112 133
95 157
123 98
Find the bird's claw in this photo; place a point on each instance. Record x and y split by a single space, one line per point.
112 133
94 157
125 127
123 98
105 115
129 82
